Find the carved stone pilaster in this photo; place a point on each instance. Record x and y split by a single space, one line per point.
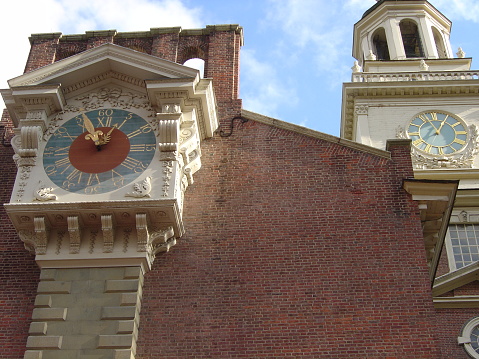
108 231
361 109
74 233
142 232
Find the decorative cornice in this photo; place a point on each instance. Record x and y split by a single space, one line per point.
456 279
399 89
102 77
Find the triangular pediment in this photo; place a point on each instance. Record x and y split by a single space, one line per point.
103 59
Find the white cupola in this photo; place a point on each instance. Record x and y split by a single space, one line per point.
395 30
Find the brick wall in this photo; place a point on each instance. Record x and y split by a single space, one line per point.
295 247
18 271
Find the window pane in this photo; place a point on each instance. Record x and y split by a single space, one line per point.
464 240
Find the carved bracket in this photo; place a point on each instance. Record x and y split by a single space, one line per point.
74 232
142 232
108 231
36 241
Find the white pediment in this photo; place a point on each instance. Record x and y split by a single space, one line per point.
103 59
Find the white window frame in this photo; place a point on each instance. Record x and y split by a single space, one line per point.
465 338
459 216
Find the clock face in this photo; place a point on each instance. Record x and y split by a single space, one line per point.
437 133
78 162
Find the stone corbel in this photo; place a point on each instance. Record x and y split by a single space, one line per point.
161 240
26 143
169 127
108 231
35 241
74 232
142 232
190 148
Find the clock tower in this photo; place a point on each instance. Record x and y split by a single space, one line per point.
108 138
407 83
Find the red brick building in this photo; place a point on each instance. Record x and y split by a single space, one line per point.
241 236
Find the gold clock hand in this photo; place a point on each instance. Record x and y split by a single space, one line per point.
106 138
442 124
92 135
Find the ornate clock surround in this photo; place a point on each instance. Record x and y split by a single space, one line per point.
125 225
462 155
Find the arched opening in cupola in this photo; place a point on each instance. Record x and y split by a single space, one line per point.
411 39
380 44
439 41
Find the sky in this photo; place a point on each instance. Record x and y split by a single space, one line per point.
297 53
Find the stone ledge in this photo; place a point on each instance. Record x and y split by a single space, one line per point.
40 314
38 328
115 341
54 287
45 342
118 313
125 285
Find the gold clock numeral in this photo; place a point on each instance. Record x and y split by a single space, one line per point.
143 129
62 151
455 124
461 133
461 142
117 178
434 116
143 147
93 178
422 117
62 132
418 142
133 164
413 133
441 150
104 121
118 126
75 176
64 162
428 148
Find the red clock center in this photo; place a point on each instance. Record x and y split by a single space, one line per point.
84 155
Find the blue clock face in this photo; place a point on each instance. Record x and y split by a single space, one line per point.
437 133
78 162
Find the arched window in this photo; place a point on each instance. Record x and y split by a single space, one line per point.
198 64
380 45
438 39
411 39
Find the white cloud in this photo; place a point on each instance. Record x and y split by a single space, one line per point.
459 9
263 88
22 18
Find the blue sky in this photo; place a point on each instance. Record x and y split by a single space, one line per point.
296 56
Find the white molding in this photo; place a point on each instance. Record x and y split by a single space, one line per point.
465 338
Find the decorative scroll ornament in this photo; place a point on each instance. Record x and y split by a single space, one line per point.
141 189
463 159
42 193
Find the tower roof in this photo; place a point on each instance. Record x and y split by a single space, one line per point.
378 3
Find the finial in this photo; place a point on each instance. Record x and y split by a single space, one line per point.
356 68
423 66
371 56
460 54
